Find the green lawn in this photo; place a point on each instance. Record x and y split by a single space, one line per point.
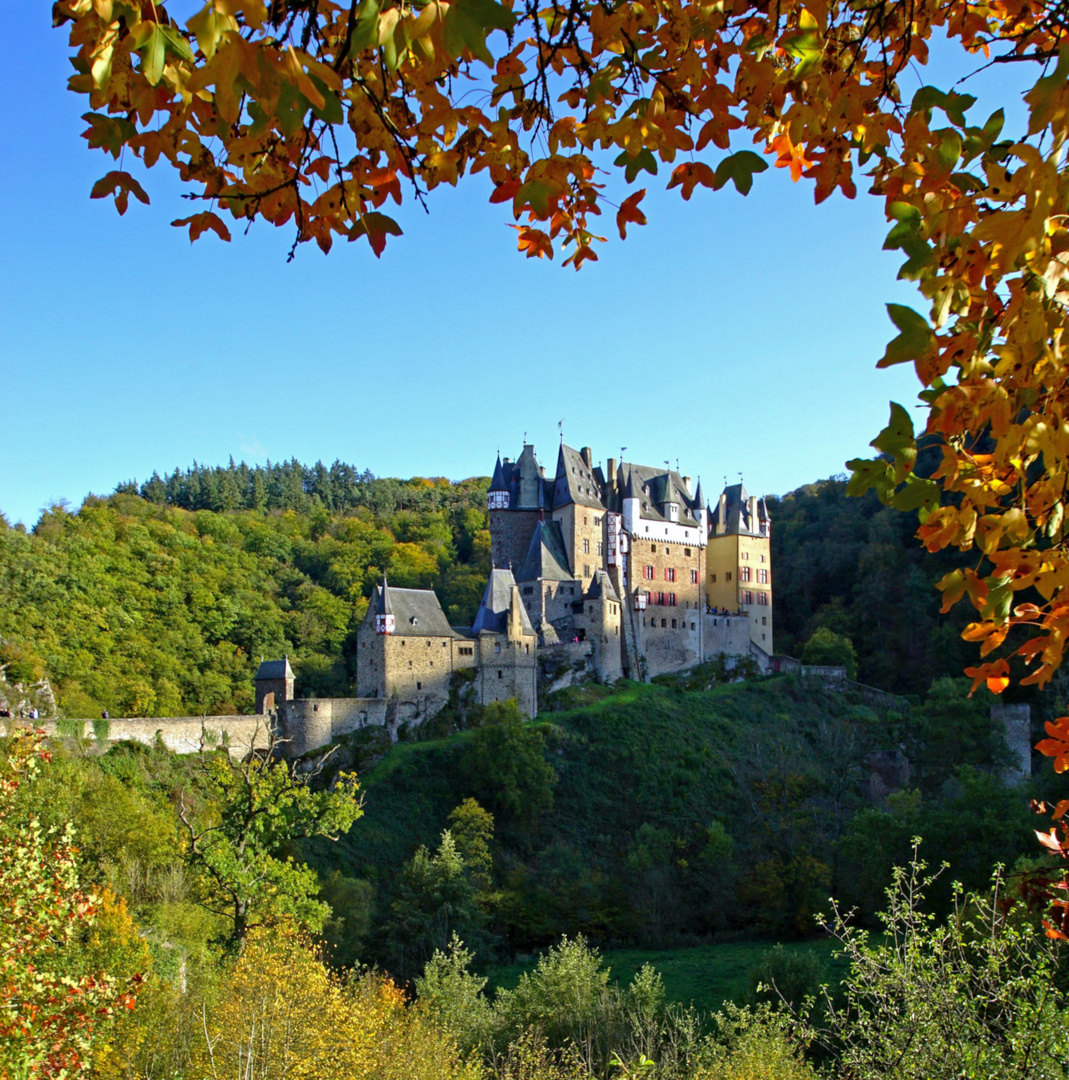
705 975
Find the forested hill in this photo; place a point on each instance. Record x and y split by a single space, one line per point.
161 600
854 566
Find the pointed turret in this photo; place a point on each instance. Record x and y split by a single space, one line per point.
497 498
384 616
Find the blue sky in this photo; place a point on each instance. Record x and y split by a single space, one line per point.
735 334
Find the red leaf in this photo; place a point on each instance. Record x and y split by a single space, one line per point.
375 227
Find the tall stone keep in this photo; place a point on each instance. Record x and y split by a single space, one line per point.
274 684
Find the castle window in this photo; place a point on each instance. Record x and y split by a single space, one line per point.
744 573
686 553
584 519
712 578
745 554
647 573
586 570
402 641
671 599
764 620
747 596
597 519
660 598
762 599
664 623
419 686
762 558
653 549
669 573
410 663
762 577
762 637
694 577
601 548
526 650
586 547
692 626
727 576
432 663
497 647
500 674
444 643
674 627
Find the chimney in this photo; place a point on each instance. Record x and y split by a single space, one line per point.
686 484
588 457
610 473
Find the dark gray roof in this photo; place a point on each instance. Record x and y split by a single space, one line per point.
575 481
734 512
493 614
601 587
654 488
547 555
498 481
416 612
275 669
528 489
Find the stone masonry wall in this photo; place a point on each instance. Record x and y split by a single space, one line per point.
510 533
182 734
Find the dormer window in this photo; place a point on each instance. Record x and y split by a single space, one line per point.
414 621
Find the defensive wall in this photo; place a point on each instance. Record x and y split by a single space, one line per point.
305 725
182 734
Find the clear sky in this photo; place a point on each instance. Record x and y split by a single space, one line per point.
735 334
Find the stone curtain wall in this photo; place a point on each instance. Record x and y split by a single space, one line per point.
182 734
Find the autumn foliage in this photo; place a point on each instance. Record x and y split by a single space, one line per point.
52 1002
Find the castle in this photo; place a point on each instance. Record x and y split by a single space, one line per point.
623 570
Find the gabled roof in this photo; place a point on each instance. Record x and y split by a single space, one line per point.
547 556
493 614
575 481
601 587
653 488
275 669
416 612
734 512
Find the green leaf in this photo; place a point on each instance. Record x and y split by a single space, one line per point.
999 600
868 474
915 494
153 54
331 111
739 168
954 105
366 31
469 22
536 195
644 159
897 440
914 340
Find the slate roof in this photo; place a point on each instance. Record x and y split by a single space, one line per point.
575 481
601 587
275 669
653 488
733 513
416 612
528 489
547 555
493 614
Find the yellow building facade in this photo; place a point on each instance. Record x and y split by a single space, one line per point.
738 562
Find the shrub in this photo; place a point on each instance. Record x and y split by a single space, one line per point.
754 1044
973 995
787 976
829 649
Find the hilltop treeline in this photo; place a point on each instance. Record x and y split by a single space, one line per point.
289 485
145 607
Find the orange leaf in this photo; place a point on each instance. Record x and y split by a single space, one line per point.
533 242
375 227
629 211
997 685
200 223
690 174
